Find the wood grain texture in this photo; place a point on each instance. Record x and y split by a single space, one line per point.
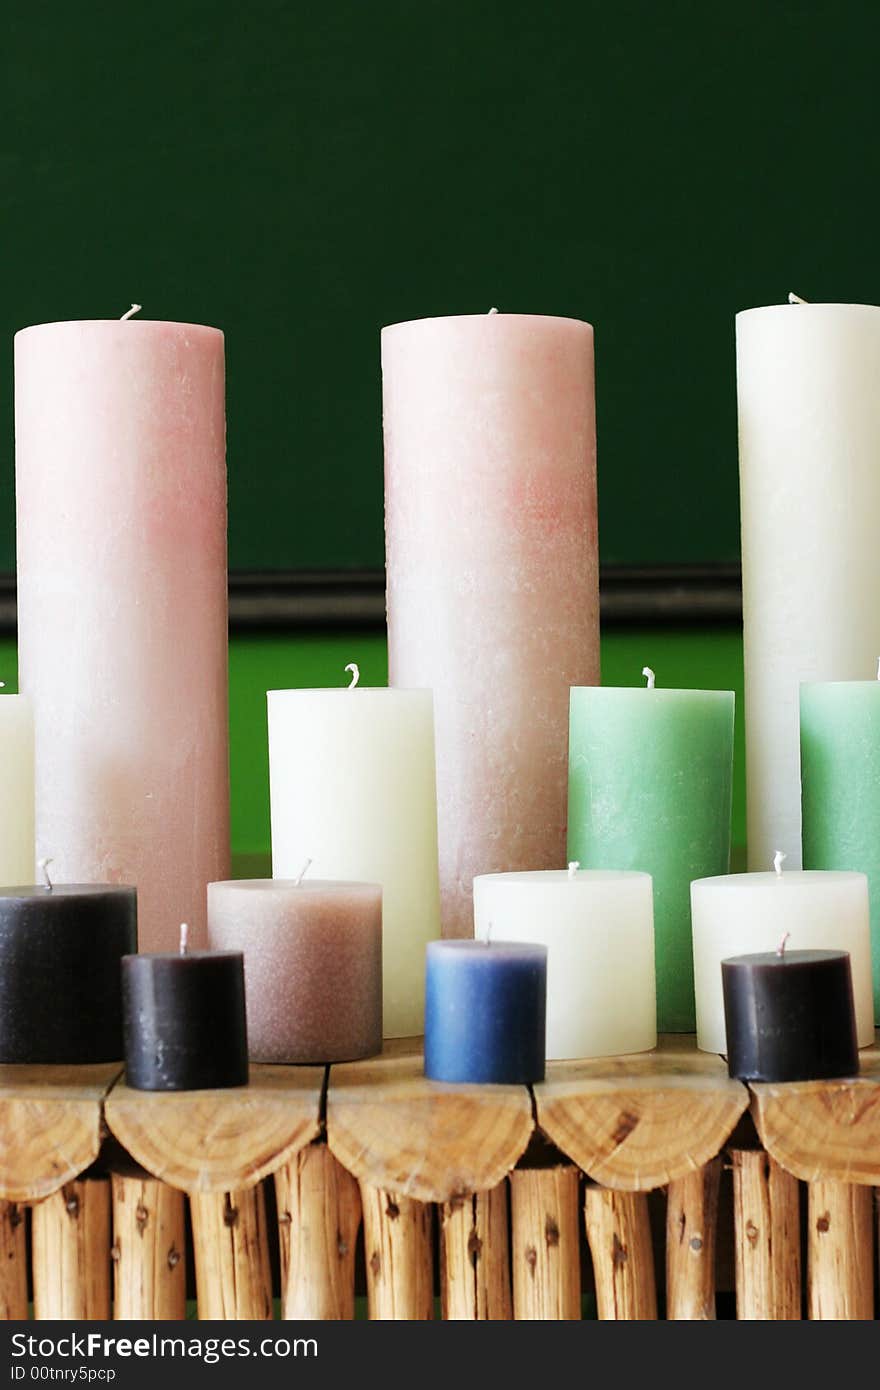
50 1125
545 1243
231 1253
319 1213
219 1141
824 1129
395 1130
638 1122
71 1252
398 1249
475 1258
691 1226
840 1251
767 1235
13 1263
149 1249
619 1236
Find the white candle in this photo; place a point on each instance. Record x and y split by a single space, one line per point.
809 443
740 914
16 790
352 789
598 927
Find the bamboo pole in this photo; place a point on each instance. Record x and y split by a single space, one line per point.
71 1252
149 1279
231 1251
545 1225
691 1224
397 1244
840 1251
475 1257
619 1236
767 1234
13 1263
319 1212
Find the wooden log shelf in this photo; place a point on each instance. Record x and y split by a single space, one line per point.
620 1188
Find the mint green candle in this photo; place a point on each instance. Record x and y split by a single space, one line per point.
650 779
840 787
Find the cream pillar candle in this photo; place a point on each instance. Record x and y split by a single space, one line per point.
352 791
809 445
16 790
121 505
493 603
598 927
740 914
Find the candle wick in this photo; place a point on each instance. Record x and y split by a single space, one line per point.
135 309
573 867
878 669
488 933
778 860
649 676
796 299
43 866
184 938
355 673
780 949
492 311
302 873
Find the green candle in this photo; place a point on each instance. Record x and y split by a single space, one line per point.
649 787
840 787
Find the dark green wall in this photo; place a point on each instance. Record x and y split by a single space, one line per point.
300 174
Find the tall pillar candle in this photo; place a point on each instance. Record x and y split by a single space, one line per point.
353 795
121 506
490 506
17 858
650 788
809 445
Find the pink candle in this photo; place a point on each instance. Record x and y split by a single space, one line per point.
493 600
121 505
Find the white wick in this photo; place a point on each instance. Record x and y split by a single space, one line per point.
778 860
302 873
649 676
493 311
355 673
878 670
135 309
573 867
184 937
43 866
796 299
488 933
780 949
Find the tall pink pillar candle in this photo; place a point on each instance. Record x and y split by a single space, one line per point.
492 559
121 506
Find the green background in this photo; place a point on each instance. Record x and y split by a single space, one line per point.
300 174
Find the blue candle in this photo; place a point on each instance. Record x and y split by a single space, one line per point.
485 1009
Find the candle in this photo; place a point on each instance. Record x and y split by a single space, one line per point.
16 789
598 928
184 1020
840 787
485 1011
313 965
352 790
493 603
650 787
121 507
789 1015
737 914
809 441
60 952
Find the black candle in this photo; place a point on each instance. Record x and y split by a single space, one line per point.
789 1016
185 1027
60 948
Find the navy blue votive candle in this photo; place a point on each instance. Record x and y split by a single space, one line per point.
485 1011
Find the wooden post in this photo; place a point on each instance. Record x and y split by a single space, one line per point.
148 1249
546 1243
475 1257
13 1263
319 1212
691 1223
767 1233
619 1235
397 1244
840 1251
71 1252
231 1250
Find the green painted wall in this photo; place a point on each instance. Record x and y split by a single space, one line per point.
256 664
